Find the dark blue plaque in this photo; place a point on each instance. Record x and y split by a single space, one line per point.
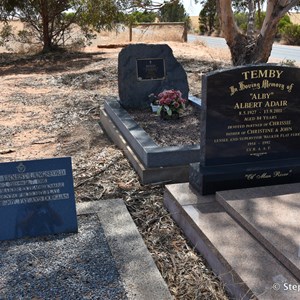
37 198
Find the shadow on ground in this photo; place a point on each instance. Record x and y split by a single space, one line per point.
11 63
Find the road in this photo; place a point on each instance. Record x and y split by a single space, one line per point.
280 52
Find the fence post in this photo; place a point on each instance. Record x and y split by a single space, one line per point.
130 33
185 32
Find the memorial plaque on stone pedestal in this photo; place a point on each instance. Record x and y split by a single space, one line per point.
251 128
145 69
36 198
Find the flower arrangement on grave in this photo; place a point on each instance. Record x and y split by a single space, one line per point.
170 103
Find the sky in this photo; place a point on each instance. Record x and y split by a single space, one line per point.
191 8
194 9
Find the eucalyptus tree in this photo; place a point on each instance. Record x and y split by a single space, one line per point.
173 12
49 21
252 47
208 16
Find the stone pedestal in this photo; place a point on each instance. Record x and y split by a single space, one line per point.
209 180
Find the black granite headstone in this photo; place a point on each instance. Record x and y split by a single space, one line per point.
251 128
145 69
36 198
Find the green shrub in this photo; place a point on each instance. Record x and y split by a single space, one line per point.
291 34
6 32
282 24
241 21
143 17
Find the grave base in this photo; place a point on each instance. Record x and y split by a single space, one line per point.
147 175
243 261
208 180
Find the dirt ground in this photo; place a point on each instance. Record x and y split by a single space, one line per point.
49 107
182 131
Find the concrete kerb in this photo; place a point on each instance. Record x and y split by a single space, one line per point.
138 272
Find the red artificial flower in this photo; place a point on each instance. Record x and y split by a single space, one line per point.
172 99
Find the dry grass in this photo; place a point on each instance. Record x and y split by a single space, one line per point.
119 35
195 23
17 25
158 33
12 46
141 34
295 18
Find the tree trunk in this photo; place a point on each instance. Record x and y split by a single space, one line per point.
259 17
256 49
47 41
237 42
251 17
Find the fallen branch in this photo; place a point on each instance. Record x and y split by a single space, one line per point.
112 46
6 151
98 172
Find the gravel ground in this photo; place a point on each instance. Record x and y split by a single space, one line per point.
49 107
65 266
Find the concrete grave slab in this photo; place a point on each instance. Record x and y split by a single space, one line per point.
139 274
247 269
106 259
271 214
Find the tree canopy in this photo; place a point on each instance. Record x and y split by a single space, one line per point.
208 16
173 12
